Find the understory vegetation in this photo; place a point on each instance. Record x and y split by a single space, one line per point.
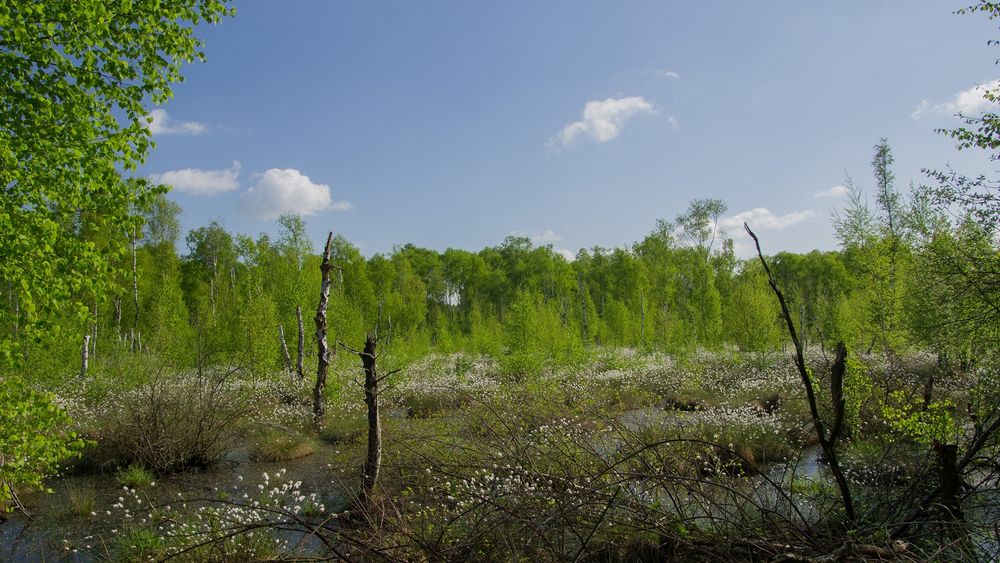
626 456
253 399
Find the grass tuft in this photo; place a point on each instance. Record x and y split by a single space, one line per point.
272 445
81 499
134 476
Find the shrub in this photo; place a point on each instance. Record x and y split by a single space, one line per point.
173 423
34 438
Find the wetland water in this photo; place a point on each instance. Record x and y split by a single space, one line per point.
56 532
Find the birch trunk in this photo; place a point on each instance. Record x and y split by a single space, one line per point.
84 355
284 349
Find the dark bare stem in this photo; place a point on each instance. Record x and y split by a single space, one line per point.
826 441
373 460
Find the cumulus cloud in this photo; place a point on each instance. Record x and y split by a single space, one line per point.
836 191
162 124
547 237
566 253
762 219
966 102
196 181
668 74
539 237
280 190
603 120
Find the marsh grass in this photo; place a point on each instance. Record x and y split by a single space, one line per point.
342 429
80 499
134 476
272 445
137 543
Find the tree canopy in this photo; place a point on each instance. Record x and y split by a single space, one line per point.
76 80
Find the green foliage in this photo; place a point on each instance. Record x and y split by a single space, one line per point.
34 438
523 353
751 318
76 77
935 424
877 247
859 391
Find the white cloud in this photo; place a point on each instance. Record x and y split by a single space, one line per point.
668 74
566 253
836 191
540 238
966 102
196 181
547 237
282 190
673 122
744 250
162 124
603 120
762 219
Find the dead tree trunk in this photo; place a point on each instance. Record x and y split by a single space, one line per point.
840 427
85 355
324 351
928 390
284 349
826 441
300 359
950 480
373 460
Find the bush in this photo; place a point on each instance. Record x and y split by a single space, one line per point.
34 438
173 423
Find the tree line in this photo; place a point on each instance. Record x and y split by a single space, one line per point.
899 282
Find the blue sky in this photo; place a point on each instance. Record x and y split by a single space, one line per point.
455 124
